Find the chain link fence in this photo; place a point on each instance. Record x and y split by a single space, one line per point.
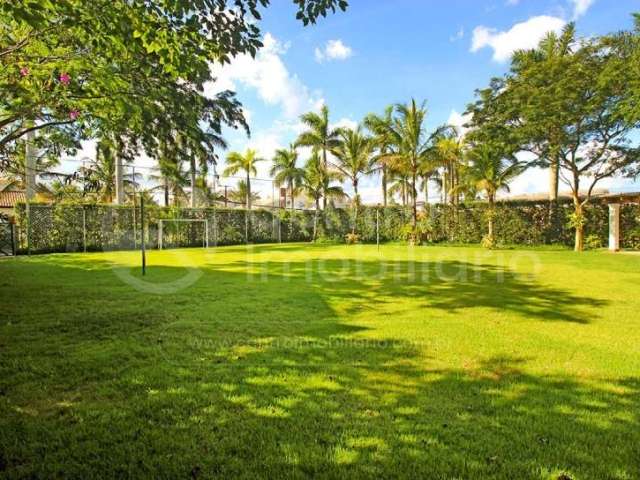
64 227
76 228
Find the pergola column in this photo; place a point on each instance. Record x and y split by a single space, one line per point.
614 227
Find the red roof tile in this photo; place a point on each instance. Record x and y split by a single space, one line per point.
10 198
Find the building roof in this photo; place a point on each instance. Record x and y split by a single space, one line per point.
626 197
6 184
9 198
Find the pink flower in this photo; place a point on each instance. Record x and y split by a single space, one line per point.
74 114
24 71
65 78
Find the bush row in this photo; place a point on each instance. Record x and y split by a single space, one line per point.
94 227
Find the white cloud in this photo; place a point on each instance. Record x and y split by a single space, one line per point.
345 123
520 36
580 7
457 36
268 75
458 120
333 50
511 3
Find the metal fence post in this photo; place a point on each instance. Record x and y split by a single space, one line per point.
28 212
246 226
84 229
215 227
14 248
142 243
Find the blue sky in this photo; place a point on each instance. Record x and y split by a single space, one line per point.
381 52
386 51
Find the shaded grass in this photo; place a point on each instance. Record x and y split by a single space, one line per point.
330 361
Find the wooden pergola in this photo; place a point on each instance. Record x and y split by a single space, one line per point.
615 200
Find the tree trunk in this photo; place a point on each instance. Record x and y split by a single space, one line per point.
444 187
192 161
384 185
324 166
579 238
414 201
491 215
355 207
291 195
426 192
248 202
31 155
119 179
554 179
315 220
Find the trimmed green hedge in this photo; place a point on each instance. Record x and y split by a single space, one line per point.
68 227
95 227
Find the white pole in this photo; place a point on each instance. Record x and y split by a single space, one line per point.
378 228
135 241
159 234
84 228
206 233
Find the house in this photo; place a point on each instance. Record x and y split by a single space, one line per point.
10 194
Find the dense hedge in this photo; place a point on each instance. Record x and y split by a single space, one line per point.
93 227
72 227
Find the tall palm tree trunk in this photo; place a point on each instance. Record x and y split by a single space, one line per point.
384 186
404 193
426 191
315 219
355 206
324 166
248 198
491 215
414 200
291 194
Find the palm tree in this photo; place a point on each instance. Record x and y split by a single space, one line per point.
316 184
286 171
401 186
490 171
200 155
353 159
448 154
241 193
172 178
407 133
237 162
100 176
380 127
319 136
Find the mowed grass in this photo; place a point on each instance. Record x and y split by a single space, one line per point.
291 361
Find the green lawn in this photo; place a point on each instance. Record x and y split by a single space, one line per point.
329 361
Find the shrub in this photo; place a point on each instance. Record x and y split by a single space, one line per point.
632 239
592 242
352 238
488 242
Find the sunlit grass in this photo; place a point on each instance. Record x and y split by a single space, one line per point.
298 360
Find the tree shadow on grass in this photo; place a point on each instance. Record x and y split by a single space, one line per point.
240 377
446 285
